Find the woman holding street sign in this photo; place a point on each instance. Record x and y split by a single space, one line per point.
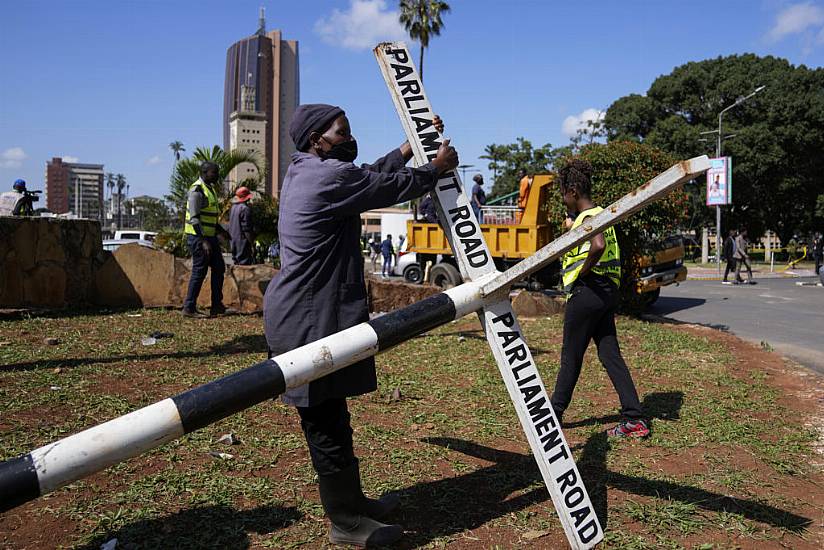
320 290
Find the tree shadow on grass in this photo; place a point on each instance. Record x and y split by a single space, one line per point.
254 343
196 528
449 506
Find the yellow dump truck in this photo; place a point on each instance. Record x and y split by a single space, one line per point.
661 267
513 234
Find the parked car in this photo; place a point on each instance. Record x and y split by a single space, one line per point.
113 244
135 235
407 267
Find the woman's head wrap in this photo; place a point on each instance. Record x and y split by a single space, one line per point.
309 118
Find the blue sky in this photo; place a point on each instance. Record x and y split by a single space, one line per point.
116 81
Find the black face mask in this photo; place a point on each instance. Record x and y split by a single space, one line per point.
344 152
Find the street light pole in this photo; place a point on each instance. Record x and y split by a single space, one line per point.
719 140
463 168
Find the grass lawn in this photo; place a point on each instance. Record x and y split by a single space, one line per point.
733 461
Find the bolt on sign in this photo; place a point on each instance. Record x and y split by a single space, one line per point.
504 335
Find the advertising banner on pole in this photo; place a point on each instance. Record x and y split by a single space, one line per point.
719 182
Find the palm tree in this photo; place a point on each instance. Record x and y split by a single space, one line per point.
187 171
176 147
120 180
110 185
422 20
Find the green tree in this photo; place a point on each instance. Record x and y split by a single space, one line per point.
187 171
120 183
779 135
506 161
620 167
153 214
422 20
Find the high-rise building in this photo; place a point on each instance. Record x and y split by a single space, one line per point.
267 64
76 188
247 131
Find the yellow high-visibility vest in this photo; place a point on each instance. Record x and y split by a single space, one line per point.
208 214
609 265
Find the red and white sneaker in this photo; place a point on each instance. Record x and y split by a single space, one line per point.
630 428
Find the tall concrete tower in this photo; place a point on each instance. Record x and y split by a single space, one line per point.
269 65
247 131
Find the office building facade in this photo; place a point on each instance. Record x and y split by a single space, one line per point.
74 188
265 67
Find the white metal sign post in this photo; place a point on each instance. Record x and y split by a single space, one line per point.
518 369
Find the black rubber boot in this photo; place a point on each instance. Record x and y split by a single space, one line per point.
345 507
375 508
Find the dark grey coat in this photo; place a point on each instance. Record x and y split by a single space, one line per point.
320 288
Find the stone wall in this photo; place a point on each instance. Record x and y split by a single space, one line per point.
140 276
384 296
48 262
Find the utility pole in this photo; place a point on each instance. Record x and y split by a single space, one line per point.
719 138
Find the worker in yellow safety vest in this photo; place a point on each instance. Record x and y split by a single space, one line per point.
591 276
202 228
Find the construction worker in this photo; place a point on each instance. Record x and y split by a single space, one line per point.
240 228
202 227
523 192
591 277
320 290
12 202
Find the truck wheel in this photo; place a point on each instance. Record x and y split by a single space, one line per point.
651 297
413 274
445 275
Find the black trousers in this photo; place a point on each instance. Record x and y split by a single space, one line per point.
329 435
201 262
590 315
730 268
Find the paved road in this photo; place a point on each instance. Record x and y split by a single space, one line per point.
790 318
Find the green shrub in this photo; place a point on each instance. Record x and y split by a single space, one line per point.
618 168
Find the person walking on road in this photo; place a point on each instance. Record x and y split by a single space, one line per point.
201 228
240 228
729 253
320 290
818 252
591 276
387 250
742 258
374 253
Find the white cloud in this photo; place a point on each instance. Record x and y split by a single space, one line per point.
69 158
363 26
13 157
573 123
796 19
153 160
